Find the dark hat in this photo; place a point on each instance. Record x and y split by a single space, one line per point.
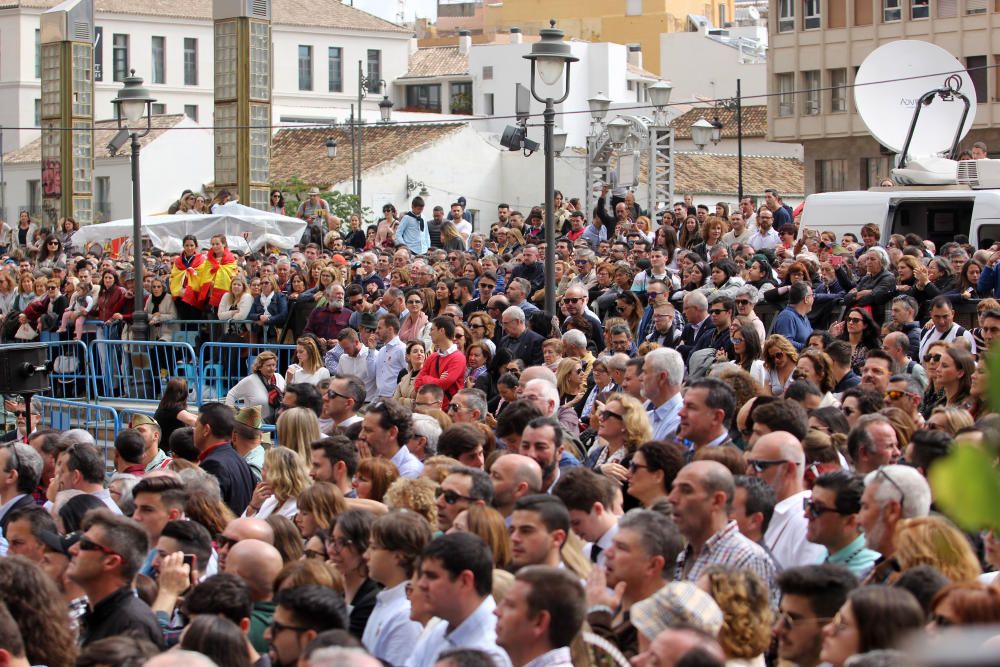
369 320
59 543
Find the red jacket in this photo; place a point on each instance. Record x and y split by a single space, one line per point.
446 372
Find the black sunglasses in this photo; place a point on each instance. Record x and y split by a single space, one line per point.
760 465
450 497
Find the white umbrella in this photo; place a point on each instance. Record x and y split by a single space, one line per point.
246 229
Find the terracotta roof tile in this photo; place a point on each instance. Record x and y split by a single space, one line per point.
713 173
313 13
301 153
437 61
754 121
104 132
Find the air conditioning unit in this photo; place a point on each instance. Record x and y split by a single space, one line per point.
979 174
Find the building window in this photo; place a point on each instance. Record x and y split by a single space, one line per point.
838 90
810 14
159 74
34 197
38 53
119 56
874 169
487 72
305 67
976 65
461 97
633 8
488 104
38 112
722 15
375 71
920 9
947 9
190 61
191 111
831 175
975 6
158 109
786 94
102 199
786 15
810 93
891 11
424 98
335 64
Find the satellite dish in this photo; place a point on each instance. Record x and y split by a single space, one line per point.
890 82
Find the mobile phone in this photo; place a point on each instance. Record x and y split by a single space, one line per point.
189 561
836 260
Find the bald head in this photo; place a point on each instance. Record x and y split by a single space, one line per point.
258 564
713 477
897 343
520 469
537 373
250 529
785 478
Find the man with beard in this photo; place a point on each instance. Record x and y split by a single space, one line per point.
327 322
302 613
542 441
639 561
892 493
514 476
811 595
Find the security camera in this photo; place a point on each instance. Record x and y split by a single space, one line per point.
118 141
515 138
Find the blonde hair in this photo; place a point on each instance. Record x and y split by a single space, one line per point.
934 541
262 359
416 495
778 343
313 360
957 418
436 468
298 428
325 501
489 524
286 473
566 367
637 427
746 613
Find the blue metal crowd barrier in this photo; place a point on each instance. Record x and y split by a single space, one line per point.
138 370
222 365
71 368
100 421
197 332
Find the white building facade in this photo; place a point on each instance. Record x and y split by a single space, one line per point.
316 49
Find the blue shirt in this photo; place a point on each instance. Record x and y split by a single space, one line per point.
793 326
386 365
666 418
414 233
856 557
594 236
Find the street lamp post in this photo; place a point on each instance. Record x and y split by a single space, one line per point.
703 131
385 113
132 104
549 57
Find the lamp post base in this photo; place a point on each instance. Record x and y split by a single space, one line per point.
140 325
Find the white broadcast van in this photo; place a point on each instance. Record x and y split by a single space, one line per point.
923 117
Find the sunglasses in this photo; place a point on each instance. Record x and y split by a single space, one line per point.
717 311
896 394
742 302
450 497
932 357
572 299
816 511
760 465
87 544
608 414
737 341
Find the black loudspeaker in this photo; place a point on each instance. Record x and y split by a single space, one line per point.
24 368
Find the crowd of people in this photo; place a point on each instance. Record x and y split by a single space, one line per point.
716 452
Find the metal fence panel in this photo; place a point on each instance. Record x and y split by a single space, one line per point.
100 421
139 370
222 365
71 367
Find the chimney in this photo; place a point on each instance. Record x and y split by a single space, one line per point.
414 45
515 36
635 55
464 42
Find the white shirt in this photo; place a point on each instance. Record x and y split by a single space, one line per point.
105 497
948 336
759 241
358 365
465 229
409 466
786 535
604 541
390 635
478 631
386 364
302 376
288 509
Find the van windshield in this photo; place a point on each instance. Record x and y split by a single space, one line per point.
938 221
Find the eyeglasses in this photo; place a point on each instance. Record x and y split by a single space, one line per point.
839 625
633 466
331 394
816 511
450 497
55 243
742 302
413 302
338 544
932 357
608 414
737 341
760 465
53 286
455 407
572 299
855 320
883 474
221 542
477 326
277 627
87 544
653 295
717 311
896 394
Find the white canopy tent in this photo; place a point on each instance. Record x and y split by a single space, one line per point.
246 229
